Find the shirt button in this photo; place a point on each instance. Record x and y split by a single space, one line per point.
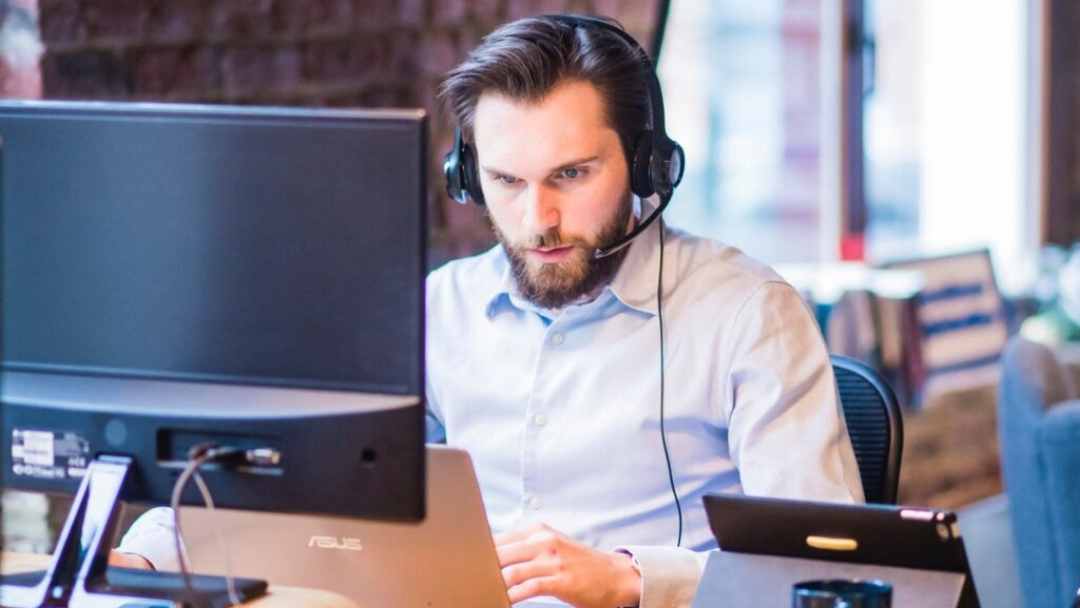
533 502
557 339
539 420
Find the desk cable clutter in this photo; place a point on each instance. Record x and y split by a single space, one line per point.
199 455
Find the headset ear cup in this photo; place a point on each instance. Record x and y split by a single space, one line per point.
471 175
452 171
666 167
640 166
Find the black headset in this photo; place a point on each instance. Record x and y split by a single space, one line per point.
656 164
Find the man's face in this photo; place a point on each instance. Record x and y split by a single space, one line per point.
556 186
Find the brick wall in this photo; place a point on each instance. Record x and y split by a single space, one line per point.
362 53
1063 216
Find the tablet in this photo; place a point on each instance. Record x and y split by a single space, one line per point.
913 538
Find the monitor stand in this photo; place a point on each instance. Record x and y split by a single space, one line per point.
78 574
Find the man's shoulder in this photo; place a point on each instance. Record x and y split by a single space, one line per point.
712 267
469 277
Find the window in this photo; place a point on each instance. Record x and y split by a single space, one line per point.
945 130
742 96
946 142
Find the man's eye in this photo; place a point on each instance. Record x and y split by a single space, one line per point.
506 179
571 173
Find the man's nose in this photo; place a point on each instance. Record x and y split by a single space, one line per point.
541 210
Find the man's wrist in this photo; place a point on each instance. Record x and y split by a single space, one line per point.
126 559
629 591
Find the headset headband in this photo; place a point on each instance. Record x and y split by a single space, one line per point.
656 100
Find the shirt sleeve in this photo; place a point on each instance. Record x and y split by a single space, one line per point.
786 431
151 537
669 575
435 430
787 436
434 427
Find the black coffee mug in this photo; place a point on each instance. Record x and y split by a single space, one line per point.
841 593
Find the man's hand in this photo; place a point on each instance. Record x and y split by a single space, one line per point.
128 560
540 561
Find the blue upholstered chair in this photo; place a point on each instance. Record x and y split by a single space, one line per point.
1039 426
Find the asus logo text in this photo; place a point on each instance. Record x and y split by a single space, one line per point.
333 542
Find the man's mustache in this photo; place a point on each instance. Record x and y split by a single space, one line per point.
550 239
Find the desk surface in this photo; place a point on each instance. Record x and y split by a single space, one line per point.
277 597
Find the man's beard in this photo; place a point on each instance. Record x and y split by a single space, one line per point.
554 285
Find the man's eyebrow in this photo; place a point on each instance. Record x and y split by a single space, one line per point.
566 165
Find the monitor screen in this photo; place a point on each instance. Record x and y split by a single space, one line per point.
244 245
179 281
178 275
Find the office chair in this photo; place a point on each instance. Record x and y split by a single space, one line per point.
874 424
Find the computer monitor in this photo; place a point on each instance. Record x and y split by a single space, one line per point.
174 275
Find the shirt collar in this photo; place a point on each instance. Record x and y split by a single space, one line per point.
634 284
502 286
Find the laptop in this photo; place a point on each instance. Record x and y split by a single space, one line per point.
447 560
768 544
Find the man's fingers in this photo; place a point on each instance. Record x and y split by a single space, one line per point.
534 587
524 551
519 573
515 536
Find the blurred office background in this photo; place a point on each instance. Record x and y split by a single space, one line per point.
912 166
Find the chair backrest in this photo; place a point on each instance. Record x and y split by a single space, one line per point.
874 424
962 321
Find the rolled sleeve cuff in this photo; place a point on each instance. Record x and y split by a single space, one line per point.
151 537
669 575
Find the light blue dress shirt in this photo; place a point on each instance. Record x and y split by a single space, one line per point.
560 410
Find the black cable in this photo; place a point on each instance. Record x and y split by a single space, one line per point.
663 431
197 456
230 582
195 460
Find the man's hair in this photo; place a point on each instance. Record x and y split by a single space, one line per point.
526 59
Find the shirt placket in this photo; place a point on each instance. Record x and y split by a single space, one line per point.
536 420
